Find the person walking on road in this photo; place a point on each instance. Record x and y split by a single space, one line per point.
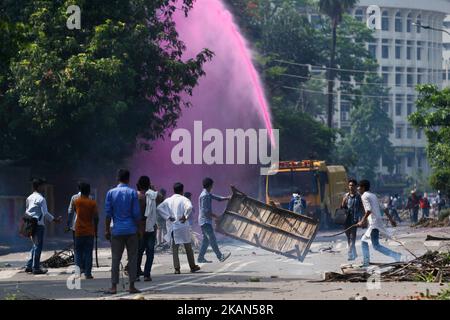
85 229
413 206
425 206
36 207
122 208
72 215
147 200
205 217
176 211
373 217
352 203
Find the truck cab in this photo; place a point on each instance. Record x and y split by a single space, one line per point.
322 186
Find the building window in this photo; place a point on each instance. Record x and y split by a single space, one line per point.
409 133
419 134
418 22
398 79
408 23
409 109
419 50
409 161
409 50
398 132
398 109
398 52
419 162
385 51
373 50
386 79
359 15
398 22
410 77
385 21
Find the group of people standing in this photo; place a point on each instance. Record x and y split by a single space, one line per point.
131 222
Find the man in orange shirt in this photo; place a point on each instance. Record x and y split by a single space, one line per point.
85 229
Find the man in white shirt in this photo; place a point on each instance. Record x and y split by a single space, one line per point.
36 207
373 216
176 211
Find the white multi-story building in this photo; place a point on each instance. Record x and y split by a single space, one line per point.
407 55
446 52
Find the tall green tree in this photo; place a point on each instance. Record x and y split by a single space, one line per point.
368 141
97 93
335 10
433 116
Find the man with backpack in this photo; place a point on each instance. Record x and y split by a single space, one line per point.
297 203
36 208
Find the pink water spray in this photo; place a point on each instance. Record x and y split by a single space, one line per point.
230 96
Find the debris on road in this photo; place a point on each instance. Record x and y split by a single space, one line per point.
60 259
432 223
430 267
433 238
254 279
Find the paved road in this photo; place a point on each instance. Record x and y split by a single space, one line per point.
250 273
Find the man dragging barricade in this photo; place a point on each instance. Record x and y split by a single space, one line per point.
373 216
205 216
176 211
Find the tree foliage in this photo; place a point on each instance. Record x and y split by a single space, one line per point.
433 115
368 140
90 94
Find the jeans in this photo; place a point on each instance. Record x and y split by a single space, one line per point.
147 245
414 214
34 262
118 244
209 238
375 238
84 245
425 212
351 241
394 215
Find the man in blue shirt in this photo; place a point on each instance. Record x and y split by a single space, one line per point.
122 208
205 216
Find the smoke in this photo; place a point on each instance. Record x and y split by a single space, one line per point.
230 96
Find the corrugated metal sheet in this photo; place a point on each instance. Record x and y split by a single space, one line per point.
270 228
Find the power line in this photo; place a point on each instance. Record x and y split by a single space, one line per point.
388 86
348 70
325 68
336 93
